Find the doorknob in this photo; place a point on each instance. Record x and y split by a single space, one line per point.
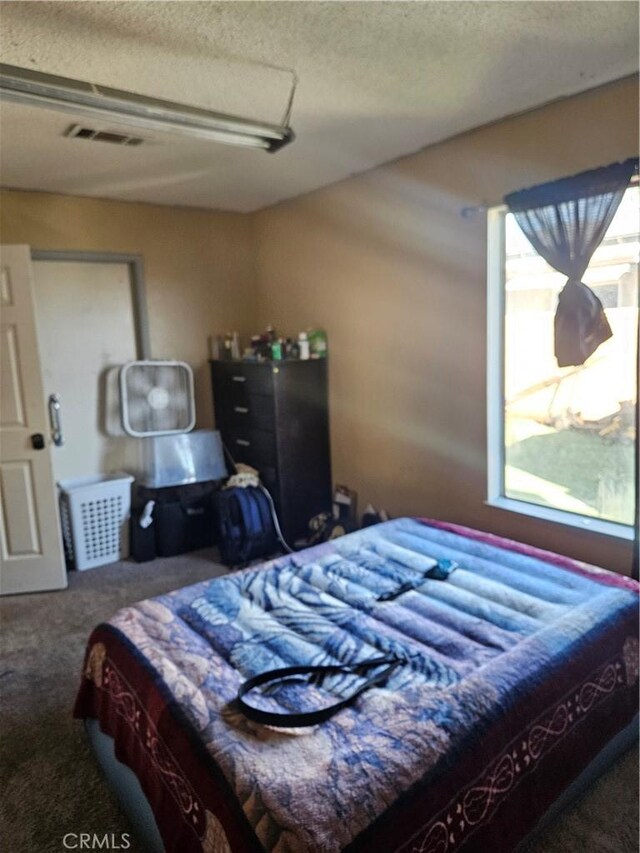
55 420
37 441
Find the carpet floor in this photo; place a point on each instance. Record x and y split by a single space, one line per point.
51 783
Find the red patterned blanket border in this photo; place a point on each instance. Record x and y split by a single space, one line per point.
474 806
194 806
128 706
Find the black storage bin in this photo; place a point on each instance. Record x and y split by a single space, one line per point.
183 519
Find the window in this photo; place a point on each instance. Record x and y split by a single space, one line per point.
562 440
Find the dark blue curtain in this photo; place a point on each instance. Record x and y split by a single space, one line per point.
565 222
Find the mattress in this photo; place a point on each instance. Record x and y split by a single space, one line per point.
518 670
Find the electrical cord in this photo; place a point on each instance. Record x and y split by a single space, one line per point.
276 522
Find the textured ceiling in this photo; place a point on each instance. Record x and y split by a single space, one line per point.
377 80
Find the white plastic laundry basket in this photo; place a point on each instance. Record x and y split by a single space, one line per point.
95 518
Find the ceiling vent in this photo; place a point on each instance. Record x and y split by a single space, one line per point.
76 131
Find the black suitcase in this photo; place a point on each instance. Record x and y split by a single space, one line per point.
183 520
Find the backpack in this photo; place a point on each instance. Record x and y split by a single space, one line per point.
245 526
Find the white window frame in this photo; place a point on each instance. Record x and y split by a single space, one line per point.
495 398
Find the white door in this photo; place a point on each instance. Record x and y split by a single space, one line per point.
30 538
86 328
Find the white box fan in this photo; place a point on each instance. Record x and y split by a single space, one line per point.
156 398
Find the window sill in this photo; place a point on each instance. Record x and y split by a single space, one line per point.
557 516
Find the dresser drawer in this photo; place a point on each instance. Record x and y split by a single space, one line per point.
241 411
234 378
255 447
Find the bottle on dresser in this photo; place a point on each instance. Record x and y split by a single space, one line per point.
303 346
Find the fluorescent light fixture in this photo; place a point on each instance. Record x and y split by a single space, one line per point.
33 88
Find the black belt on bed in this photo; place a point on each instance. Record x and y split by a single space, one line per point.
315 675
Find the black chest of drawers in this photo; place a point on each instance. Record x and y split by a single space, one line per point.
274 417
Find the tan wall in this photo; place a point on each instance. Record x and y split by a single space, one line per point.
198 265
387 265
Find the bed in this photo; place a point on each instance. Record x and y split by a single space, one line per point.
518 682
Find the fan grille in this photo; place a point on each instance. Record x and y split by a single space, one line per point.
157 398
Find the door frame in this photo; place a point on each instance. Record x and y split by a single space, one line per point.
135 265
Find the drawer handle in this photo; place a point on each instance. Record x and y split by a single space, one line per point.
242 410
243 442
239 378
